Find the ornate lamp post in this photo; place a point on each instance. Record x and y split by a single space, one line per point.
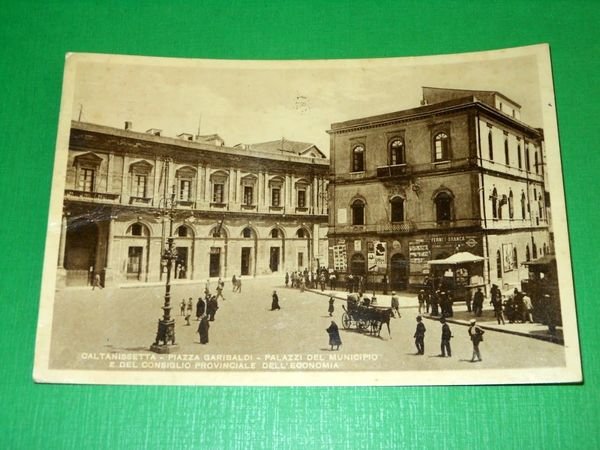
165 336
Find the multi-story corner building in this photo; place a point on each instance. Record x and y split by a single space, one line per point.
236 210
461 172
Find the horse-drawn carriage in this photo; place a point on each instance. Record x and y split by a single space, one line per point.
366 317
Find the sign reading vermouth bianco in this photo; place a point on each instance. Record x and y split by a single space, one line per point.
223 222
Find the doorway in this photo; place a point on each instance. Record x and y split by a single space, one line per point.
399 272
181 263
134 263
274 259
214 269
245 264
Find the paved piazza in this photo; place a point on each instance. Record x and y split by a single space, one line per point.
115 327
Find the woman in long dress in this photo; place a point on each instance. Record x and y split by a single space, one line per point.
203 329
334 336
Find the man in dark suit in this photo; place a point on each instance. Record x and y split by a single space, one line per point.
446 336
420 336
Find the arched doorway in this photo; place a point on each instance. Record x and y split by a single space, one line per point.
81 253
399 272
358 264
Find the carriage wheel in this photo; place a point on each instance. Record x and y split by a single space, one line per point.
346 321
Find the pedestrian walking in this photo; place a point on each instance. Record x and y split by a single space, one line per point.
238 287
496 303
478 302
200 308
331 308
421 299
476 335
211 308
420 336
334 336
190 306
275 302
97 283
528 308
233 283
446 336
396 304
203 327
287 279
182 307
220 286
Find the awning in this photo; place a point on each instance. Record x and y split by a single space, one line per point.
543 261
457 258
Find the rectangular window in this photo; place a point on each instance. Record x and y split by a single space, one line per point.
134 260
301 198
248 194
275 196
86 180
140 185
185 190
218 193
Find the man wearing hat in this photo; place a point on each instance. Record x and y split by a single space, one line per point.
446 336
476 335
421 298
396 304
420 336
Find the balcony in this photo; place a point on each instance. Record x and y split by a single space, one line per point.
140 201
93 197
248 207
396 170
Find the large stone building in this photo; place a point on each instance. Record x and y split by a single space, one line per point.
243 210
461 172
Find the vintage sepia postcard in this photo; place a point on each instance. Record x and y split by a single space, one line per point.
333 222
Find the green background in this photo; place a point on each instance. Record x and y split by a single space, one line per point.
34 38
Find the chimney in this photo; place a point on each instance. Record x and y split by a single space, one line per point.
128 125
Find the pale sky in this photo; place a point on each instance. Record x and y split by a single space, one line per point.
250 102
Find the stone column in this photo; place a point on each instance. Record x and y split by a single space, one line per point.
197 194
206 185
108 271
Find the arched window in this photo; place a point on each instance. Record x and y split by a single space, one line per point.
515 259
519 156
358 212
397 209
441 147
358 159
397 152
138 229
301 233
527 164
536 162
523 203
247 232
182 231
506 154
534 249
491 144
511 209
275 233
443 207
498 265
527 254
494 199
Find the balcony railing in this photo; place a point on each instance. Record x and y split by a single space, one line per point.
140 200
95 197
393 171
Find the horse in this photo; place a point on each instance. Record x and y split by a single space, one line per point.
380 317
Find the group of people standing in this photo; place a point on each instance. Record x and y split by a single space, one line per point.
517 308
435 302
307 279
206 308
475 334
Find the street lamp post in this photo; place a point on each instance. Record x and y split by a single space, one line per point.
165 336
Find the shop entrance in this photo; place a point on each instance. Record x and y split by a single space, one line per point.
399 272
181 263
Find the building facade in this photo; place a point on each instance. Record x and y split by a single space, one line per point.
459 173
235 210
